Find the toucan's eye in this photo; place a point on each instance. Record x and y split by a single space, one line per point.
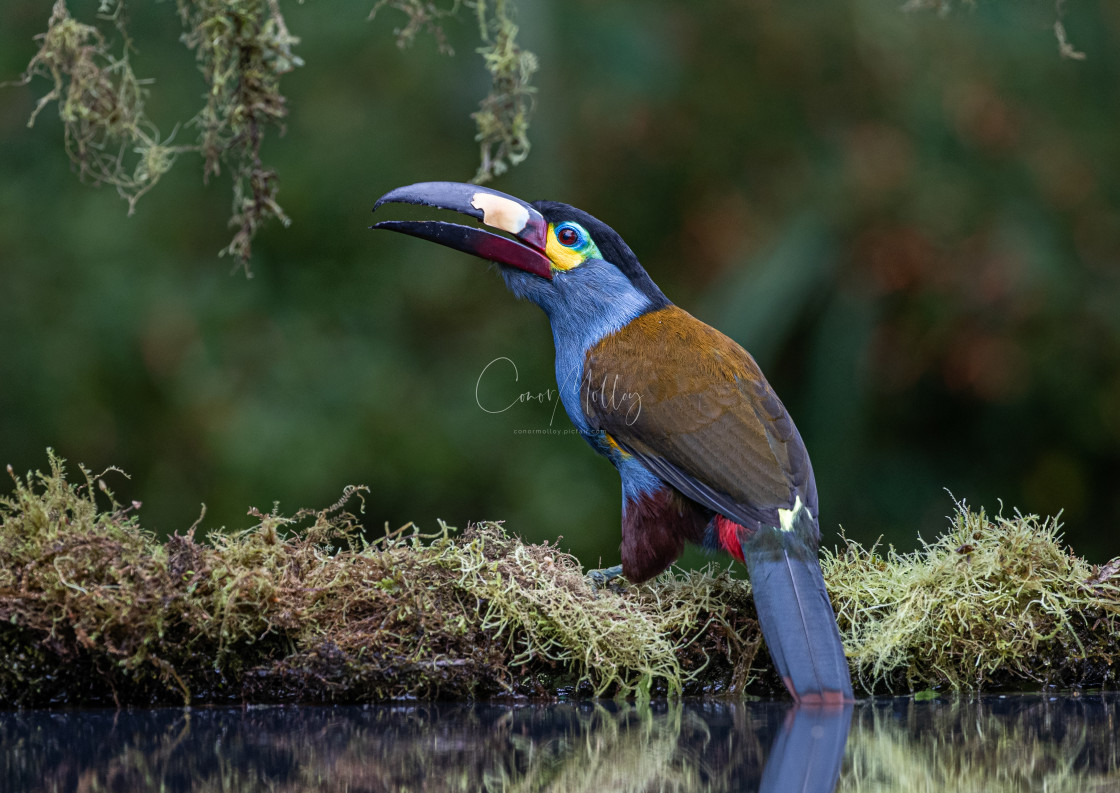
569 236
569 245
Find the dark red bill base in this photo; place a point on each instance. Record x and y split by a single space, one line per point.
475 241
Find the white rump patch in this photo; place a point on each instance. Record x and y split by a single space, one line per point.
788 516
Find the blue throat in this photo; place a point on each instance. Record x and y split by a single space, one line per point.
583 306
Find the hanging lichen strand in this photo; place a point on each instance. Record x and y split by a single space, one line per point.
503 115
101 103
243 48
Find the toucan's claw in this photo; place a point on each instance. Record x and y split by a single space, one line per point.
604 576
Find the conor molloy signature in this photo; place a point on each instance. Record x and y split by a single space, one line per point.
599 394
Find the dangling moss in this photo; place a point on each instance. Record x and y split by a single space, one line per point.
100 102
503 115
243 48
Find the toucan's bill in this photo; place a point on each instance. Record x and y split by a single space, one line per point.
493 208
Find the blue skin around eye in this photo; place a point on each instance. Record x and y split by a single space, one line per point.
580 236
583 242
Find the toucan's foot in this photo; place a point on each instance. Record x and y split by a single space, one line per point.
600 578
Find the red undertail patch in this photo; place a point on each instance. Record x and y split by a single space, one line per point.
728 532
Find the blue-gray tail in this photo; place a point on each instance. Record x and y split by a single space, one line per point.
807 754
796 618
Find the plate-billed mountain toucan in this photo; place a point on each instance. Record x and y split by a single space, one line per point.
706 450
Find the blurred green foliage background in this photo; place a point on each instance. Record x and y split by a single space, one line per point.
912 221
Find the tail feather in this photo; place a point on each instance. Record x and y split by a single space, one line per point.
798 623
807 754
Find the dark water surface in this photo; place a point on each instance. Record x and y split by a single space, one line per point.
1014 743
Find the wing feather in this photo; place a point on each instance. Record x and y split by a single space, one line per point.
693 406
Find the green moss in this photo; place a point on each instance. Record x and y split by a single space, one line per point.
108 136
993 603
94 609
243 48
503 115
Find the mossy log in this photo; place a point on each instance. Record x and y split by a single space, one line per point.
96 610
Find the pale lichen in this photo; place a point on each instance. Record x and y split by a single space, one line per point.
503 115
96 610
995 602
944 7
107 134
243 48
421 16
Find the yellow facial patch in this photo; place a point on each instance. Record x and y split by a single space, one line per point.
562 258
576 248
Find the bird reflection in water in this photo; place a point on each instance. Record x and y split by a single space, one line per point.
992 743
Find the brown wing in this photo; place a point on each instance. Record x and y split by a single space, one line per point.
694 407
